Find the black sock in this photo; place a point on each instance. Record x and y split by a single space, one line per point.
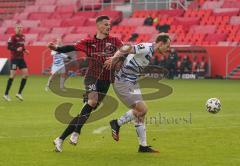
84 115
77 122
69 129
9 84
22 85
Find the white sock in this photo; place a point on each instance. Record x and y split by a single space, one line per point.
141 132
49 81
127 117
62 80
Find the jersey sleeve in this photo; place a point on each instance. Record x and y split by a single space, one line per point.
141 48
53 53
10 44
64 55
81 46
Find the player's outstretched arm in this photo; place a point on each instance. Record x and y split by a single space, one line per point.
62 49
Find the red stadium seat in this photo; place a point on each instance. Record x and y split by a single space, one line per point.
132 21
3 30
74 22
50 23
30 23
186 22
90 4
61 16
172 13
21 16
212 4
145 13
66 8
48 2
39 43
198 29
86 14
30 9
51 37
39 30
146 30
5 38
72 38
226 12
31 37
9 23
231 4
235 20
47 8
62 30
39 15
11 30
66 2
215 37
86 30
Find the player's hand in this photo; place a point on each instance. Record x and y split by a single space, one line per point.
52 46
108 63
26 52
19 49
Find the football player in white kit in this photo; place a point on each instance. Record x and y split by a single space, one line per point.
58 67
126 86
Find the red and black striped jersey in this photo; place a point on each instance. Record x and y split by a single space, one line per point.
14 42
97 51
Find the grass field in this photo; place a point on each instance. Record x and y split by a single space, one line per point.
28 128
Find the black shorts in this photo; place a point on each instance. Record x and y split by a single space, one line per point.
18 63
99 86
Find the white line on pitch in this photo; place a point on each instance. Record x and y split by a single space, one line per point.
100 130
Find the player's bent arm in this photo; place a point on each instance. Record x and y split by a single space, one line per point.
11 47
120 55
124 51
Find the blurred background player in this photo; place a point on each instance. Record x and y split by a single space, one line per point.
58 66
97 79
17 48
127 88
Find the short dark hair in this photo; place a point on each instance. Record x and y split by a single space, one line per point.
100 18
163 38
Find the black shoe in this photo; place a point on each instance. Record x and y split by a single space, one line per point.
146 149
115 129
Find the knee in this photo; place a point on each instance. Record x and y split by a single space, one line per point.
12 76
25 76
140 112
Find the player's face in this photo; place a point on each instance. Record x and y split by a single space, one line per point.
164 47
104 27
19 29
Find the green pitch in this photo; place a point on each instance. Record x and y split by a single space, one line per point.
178 126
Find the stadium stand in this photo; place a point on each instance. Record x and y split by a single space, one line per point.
203 23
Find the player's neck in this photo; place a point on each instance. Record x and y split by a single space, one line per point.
100 36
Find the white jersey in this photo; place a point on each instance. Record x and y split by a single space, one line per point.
134 64
58 62
58 58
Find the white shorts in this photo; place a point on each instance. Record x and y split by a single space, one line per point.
58 70
128 92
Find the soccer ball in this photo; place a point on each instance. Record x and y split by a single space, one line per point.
213 105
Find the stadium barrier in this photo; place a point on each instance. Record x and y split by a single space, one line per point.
217 55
